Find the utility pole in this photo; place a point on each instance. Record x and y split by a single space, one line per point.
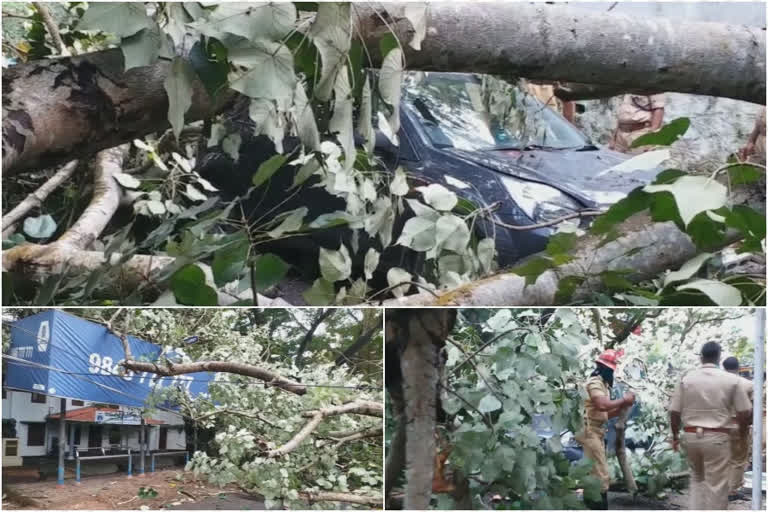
62 441
757 412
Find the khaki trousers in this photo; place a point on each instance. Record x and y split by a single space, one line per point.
623 140
709 456
740 452
592 439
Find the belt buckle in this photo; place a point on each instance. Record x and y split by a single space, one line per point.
699 432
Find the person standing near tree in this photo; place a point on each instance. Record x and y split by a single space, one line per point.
598 408
740 445
754 151
703 404
637 115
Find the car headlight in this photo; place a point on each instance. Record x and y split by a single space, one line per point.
540 202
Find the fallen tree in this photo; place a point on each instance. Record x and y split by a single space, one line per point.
560 43
55 110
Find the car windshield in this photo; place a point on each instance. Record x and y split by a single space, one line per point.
483 113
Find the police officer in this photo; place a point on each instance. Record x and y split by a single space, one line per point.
739 445
637 115
598 409
703 404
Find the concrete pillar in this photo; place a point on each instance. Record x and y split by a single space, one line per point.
62 439
142 450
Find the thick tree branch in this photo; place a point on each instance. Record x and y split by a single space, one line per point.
322 315
558 43
55 110
36 198
646 247
104 203
361 341
53 29
269 377
316 417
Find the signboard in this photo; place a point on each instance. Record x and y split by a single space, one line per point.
67 356
111 417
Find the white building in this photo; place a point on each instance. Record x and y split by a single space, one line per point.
89 425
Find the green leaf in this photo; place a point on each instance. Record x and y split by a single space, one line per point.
306 126
126 180
418 234
720 293
292 221
753 291
486 252
399 185
364 123
439 197
322 293
335 265
416 13
144 47
693 194
253 21
39 227
750 222
532 269
341 122
371 262
13 240
120 18
452 233
561 243
390 86
566 287
211 65
489 403
332 34
707 234
229 262
268 70
189 288
268 270
179 87
635 202
667 135
688 269
744 174
267 169
395 276
614 280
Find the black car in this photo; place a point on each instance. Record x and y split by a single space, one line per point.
529 161
524 160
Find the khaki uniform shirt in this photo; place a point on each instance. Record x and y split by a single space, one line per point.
746 385
708 397
636 108
596 386
760 142
545 94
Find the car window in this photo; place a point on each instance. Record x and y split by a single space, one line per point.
477 112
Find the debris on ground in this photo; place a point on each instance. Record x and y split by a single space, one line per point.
151 491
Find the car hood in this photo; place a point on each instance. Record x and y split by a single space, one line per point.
597 177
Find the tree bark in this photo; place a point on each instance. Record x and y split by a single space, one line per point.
361 341
621 451
422 335
655 246
56 110
310 334
559 43
270 378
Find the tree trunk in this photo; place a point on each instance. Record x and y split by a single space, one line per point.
309 335
621 451
559 43
646 247
422 335
55 110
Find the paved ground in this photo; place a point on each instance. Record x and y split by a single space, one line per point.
675 501
175 489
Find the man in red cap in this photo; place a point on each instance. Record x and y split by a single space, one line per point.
598 408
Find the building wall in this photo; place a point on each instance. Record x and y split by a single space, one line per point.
18 405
